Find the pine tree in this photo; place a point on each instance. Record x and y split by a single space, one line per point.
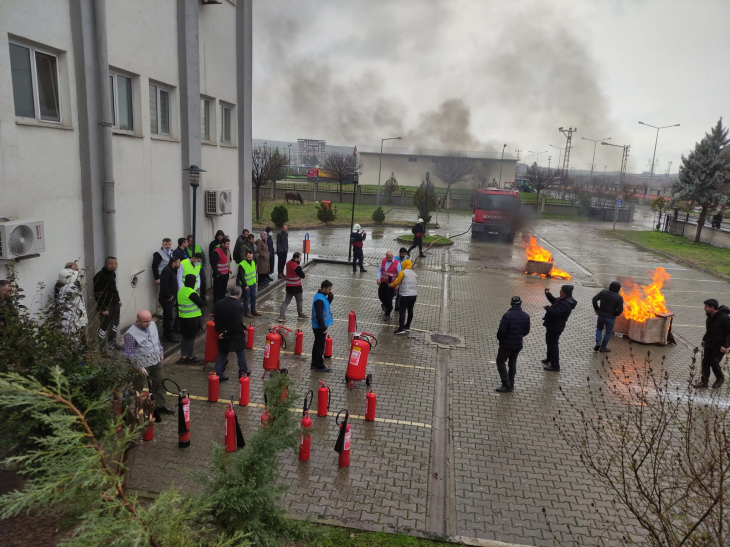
703 174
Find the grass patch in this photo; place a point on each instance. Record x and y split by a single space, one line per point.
426 239
333 536
716 259
305 216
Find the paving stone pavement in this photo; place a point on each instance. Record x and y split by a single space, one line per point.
509 463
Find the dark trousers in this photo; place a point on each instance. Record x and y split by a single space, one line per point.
385 294
318 348
282 262
416 243
220 285
108 326
168 315
221 361
406 305
711 360
272 258
357 256
552 339
608 323
508 377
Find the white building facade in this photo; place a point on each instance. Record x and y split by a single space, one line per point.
102 106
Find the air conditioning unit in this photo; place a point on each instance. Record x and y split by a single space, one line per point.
20 238
218 202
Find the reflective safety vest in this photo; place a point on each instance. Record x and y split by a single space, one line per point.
249 272
326 312
187 307
224 262
188 268
391 272
292 278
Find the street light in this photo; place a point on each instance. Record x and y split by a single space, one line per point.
624 157
651 173
289 146
355 180
538 154
594 141
500 166
194 177
377 198
560 154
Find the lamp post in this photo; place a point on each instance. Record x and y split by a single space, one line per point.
355 180
500 166
377 198
624 158
194 177
537 154
560 154
289 146
594 151
651 173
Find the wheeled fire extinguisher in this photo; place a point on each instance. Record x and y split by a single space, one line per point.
298 342
233 433
275 342
211 344
328 346
370 400
352 323
358 360
249 336
324 397
305 437
266 417
342 446
149 433
243 392
213 387
183 413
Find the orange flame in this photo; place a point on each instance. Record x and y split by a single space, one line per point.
540 254
645 302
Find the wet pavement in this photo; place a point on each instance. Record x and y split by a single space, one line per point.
447 455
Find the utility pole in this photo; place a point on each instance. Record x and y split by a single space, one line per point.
594 141
500 166
568 139
624 163
518 155
651 174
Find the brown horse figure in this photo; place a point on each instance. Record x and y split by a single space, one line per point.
294 196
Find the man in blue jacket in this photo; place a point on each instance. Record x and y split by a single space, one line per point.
513 327
556 317
321 321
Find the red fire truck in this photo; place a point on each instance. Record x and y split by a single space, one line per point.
495 212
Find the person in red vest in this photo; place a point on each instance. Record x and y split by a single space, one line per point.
294 276
220 262
387 272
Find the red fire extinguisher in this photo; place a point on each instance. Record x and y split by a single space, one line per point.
149 433
328 346
342 446
183 413
298 342
358 361
249 336
213 387
211 343
324 396
233 433
266 417
305 437
352 323
370 400
243 393
275 341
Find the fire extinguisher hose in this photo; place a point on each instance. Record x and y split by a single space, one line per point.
308 400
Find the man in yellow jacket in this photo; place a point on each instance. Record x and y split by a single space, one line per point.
408 281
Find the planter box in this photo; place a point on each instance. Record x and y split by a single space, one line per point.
621 325
542 268
651 331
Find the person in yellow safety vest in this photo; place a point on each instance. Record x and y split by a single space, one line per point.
246 279
193 249
189 266
189 305
220 262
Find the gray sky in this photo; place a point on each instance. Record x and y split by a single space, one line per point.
475 74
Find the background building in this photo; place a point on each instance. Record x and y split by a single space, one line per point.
308 148
111 101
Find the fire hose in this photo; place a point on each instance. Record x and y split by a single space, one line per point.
439 239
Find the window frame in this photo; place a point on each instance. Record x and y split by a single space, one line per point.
34 82
231 137
202 128
114 74
168 90
412 159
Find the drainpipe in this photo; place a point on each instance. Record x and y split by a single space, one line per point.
102 67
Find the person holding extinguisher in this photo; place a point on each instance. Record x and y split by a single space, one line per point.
321 321
418 231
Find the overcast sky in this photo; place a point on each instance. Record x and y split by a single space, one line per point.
476 74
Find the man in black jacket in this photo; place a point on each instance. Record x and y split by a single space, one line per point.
716 342
182 249
418 230
513 327
282 249
240 241
168 298
228 319
608 305
108 302
556 317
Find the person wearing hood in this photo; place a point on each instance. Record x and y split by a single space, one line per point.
418 231
513 327
356 239
219 235
70 300
189 305
262 259
608 305
407 283
715 342
556 317
272 253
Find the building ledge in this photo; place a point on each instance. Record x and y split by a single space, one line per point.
30 122
164 138
226 145
208 143
126 134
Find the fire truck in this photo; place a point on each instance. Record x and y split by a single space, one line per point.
315 174
495 212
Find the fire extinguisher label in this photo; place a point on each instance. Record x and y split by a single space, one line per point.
367 406
301 440
267 350
226 434
347 441
186 412
355 357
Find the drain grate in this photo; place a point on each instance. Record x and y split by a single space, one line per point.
445 339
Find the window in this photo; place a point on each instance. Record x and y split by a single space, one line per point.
225 124
159 110
121 97
205 120
495 202
434 160
412 159
35 83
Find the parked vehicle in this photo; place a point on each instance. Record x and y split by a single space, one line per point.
495 212
314 174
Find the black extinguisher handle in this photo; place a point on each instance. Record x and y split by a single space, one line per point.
308 403
329 397
266 400
347 415
177 387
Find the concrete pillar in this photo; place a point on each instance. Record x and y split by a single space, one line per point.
316 190
542 204
244 90
272 190
402 197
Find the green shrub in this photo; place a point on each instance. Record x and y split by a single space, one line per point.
279 216
378 215
324 214
425 201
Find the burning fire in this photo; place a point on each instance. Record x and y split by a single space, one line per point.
645 302
540 254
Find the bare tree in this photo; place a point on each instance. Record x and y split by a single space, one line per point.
268 166
341 167
453 168
540 179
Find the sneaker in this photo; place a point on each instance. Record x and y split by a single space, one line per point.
363 271
605 350
303 316
718 383
596 347
282 319
701 385
323 369
248 314
183 360
551 369
255 313
195 360
408 329
504 389
399 331
422 255
545 361
387 317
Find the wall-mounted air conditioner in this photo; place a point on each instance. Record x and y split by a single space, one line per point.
218 202
19 238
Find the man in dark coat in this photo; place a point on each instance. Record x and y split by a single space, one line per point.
418 230
219 235
108 302
228 319
556 317
282 249
240 241
357 238
513 327
272 252
182 249
715 342
608 305
168 298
